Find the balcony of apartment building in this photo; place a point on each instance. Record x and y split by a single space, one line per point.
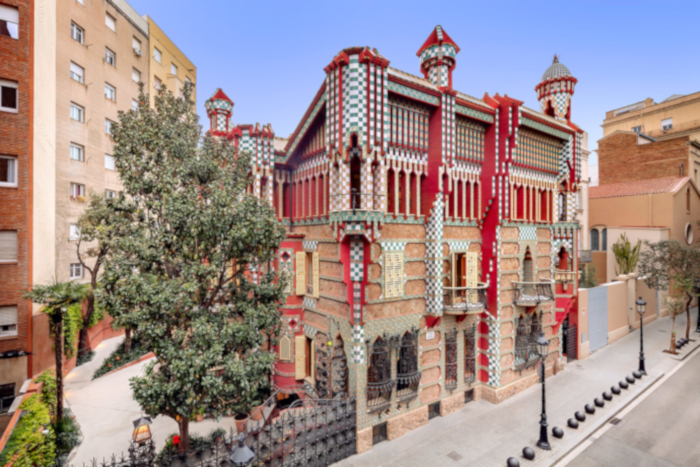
464 294
532 291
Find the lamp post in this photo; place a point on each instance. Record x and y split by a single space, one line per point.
641 309
241 454
141 431
543 350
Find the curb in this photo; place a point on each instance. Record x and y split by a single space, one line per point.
690 350
138 360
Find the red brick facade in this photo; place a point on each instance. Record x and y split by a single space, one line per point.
621 159
15 202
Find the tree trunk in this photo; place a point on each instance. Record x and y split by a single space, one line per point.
127 340
687 314
82 340
57 319
184 425
673 340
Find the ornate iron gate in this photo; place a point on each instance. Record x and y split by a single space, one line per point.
312 433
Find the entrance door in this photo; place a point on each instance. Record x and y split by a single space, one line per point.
598 317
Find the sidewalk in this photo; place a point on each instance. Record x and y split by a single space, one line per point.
484 434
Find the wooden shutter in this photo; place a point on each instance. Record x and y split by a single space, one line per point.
301 273
8 245
472 272
285 348
453 277
393 275
315 274
300 357
313 361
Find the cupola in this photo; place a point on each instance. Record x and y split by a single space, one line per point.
438 58
555 90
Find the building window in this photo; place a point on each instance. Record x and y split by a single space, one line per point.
111 22
157 55
136 75
109 163
76 190
689 233
9 21
407 374
451 360
77 112
379 433
77 33
8 171
470 354
173 69
109 194
77 153
7 391
134 104
595 240
528 267
110 57
136 44
110 92
74 232
77 72
528 331
8 96
666 124
687 199
637 129
393 274
156 83
379 382
562 207
605 240
8 246
76 271
80 1
108 126
187 80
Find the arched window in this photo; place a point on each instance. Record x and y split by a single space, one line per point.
339 368
595 240
528 331
379 383
562 207
407 374
563 259
528 267
605 240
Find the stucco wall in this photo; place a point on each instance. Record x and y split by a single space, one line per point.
618 323
583 344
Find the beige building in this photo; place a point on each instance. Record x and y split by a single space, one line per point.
167 64
673 117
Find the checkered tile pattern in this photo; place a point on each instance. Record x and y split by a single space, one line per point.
310 245
528 232
356 261
309 303
433 260
413 93
524 121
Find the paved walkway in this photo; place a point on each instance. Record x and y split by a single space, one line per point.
105 409
483 434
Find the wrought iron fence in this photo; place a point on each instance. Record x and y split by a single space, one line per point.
462 300
528 331
451 360
407 374
533 293
379 382
470 354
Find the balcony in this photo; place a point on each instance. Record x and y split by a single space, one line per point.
464 300
585 256
358 201
566 278
529 294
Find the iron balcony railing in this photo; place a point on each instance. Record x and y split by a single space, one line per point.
566 278
585 256
533 293
357 200
464 300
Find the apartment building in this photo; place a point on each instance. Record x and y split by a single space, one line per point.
167 64
15 197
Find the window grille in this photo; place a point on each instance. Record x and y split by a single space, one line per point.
110 57
339 369
7 396
379 382
595 240
470 354
451 361
526 355
407 374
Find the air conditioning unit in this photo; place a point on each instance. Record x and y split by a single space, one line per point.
138 52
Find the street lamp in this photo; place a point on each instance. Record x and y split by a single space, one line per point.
641 308
141 431
241 454
543 351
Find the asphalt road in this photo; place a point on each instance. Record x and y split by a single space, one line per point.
662 431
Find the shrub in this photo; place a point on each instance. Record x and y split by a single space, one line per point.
28 441
119 358
68 436
84 358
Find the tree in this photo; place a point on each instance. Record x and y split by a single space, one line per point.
670 265
184 269
98 225
56 298
625 255
675 304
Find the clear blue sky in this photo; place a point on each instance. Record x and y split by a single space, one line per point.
269 56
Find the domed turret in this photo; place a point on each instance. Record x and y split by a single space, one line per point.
219 110
555 90
438 58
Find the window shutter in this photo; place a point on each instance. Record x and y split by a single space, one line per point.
285 348
8 245
315 273
313 361
300 357
8 315
453 281
301 273
472 271
393 276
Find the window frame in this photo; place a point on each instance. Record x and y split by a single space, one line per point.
81 150
134 104
110 194
135 72
81 189
134 42
157 83
76 30
5 400
73 231
76 267
16 247
9 84
114 22
113 90
108 126
12 167
110 53
114 162
173 66
157 55
597 239
667 124
78 108
82 73
8 21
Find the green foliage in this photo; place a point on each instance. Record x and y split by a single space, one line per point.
85 357
27 441
587 279
669 264
119 357
625 255
178 273
57 296
68 436
48 392
73 323
97 315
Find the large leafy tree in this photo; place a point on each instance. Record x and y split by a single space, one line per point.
670 265
56 298
184 269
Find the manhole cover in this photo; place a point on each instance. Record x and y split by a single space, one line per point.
454 456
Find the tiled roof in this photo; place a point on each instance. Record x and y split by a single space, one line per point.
555 70
280 143
413 78
545 117
639 187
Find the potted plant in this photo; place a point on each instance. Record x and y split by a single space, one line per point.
241 419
